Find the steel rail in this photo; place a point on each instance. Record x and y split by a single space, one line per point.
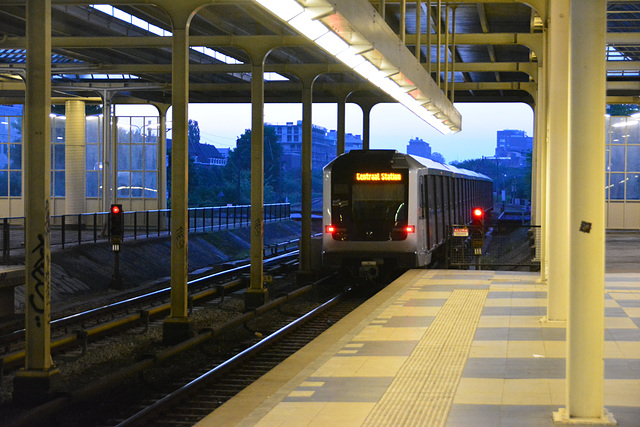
40 413
153 409
15 358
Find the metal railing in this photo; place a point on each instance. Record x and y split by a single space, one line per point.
69 230
498 246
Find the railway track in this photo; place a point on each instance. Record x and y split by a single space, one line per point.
76 330
135 386
199 397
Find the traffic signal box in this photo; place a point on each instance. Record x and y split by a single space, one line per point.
116 224
477 230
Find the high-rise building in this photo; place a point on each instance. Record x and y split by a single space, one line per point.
323 148
514 144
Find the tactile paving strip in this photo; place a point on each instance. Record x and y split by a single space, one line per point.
423 390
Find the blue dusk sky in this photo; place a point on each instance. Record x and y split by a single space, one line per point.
392 126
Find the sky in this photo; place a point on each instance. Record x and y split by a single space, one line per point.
392 126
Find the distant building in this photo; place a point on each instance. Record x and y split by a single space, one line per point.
351 141
418 147
289 135
204 154
437 157
515 145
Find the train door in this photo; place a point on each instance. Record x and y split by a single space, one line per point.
446 205
431 211
439 215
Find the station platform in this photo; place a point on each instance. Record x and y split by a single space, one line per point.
445 348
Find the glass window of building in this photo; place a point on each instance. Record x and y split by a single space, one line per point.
10 156
58 156
137 157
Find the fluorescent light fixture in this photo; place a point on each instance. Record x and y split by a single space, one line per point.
367 70
332 43
308 26
284 9
350 57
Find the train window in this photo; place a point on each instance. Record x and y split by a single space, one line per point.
379 202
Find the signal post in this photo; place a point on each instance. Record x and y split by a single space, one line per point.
116 231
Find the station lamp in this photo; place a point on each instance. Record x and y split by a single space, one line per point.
307 21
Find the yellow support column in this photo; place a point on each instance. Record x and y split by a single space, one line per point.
305 274
257 294
39 378
585 327
342 114
178 327
75 157
557 206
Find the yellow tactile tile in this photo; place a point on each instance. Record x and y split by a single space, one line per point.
489 349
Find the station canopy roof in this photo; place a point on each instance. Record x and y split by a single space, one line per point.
124 48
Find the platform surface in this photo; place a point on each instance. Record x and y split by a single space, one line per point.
445 348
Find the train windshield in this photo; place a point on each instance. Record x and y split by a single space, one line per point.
384 202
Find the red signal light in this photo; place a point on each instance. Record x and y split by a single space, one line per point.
330 229
478 213
115 209
410 229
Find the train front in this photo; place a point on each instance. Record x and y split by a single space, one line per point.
367 221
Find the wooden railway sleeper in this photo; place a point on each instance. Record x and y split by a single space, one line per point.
82 336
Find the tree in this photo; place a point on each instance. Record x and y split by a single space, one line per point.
238 166
622 109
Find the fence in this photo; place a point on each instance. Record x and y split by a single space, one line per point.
501 246
67 230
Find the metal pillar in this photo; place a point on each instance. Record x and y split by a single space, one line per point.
585 327
342 115
178 327
366 124
257 294
106 152
39 378
305 273
539 163
558 173
75 157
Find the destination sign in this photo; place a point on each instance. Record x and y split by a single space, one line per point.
378 176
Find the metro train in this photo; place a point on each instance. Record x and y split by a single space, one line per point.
384 211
